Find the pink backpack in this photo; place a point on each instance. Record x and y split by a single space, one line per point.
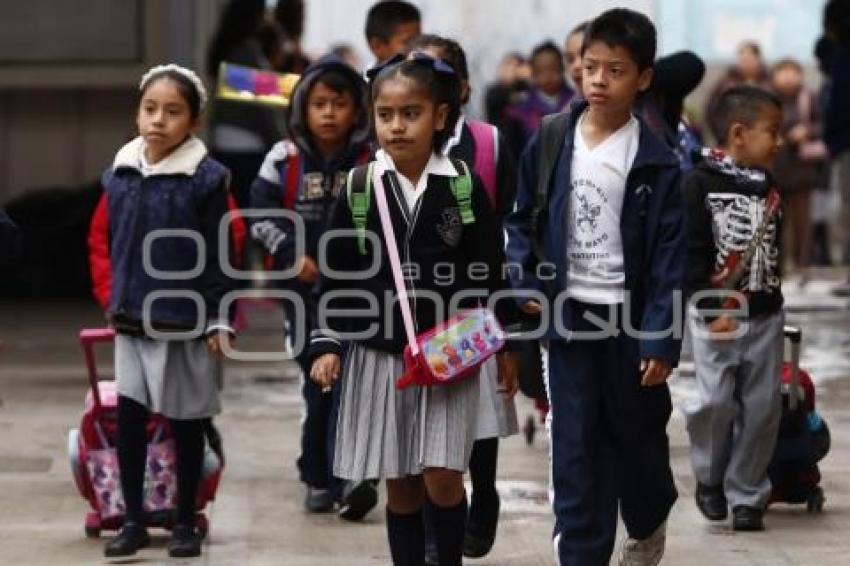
486 138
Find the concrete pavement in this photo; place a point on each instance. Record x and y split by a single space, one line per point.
258 518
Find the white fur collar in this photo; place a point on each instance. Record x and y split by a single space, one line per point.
182 161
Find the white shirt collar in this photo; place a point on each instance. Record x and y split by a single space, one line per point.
184 160
437 165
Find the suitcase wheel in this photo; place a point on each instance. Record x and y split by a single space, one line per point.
814 503
529 430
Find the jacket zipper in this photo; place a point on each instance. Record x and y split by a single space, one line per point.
122 305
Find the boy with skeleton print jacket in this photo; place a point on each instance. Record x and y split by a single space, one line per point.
733 218
725 205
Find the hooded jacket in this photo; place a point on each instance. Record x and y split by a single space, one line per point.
725 206
317 182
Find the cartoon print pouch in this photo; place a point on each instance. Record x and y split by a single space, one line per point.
451 351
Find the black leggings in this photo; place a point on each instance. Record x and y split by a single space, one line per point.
132 452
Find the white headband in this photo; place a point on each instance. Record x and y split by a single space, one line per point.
182 71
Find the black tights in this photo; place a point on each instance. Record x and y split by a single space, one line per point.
132 452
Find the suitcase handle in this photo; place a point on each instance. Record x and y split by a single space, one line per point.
795 336
88 338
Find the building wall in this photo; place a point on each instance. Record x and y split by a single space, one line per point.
60 123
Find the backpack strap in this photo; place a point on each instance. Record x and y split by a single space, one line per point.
553 130
486 145
462 189
292 180
359 193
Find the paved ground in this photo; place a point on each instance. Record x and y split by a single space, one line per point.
257 518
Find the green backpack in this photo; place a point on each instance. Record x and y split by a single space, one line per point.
359 193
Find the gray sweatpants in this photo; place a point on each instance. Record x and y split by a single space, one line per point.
734 421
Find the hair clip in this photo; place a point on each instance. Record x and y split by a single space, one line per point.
376 70
437 65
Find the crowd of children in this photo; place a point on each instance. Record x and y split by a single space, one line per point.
600 232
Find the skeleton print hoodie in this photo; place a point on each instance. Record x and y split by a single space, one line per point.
725 211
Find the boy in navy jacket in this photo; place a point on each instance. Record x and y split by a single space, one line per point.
596 244
329 134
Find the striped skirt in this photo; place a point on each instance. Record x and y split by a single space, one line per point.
497 417
384 433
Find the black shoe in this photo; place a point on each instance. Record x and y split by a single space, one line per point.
358 499
745 518
711 502
481 527
432 555
318 500
131 538
185 542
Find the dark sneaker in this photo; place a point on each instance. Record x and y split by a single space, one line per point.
481 527
358 499
746 518
318 500
711 501
185 542
131 538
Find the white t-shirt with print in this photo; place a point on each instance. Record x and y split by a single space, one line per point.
595 248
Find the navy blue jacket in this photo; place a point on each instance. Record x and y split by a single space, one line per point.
138 205
653 234
318 182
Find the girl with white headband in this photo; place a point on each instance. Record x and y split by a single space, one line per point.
165 295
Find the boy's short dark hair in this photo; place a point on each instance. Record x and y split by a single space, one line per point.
742 105
384 18
340 83
624 28
546 47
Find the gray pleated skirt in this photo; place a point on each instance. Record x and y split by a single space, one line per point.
384 433
497 417
179 379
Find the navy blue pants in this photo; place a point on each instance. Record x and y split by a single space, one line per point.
609 444
318 431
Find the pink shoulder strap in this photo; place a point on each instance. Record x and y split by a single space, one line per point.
395 262
486 142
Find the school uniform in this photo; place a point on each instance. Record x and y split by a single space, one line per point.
611 228
383 432
187 190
